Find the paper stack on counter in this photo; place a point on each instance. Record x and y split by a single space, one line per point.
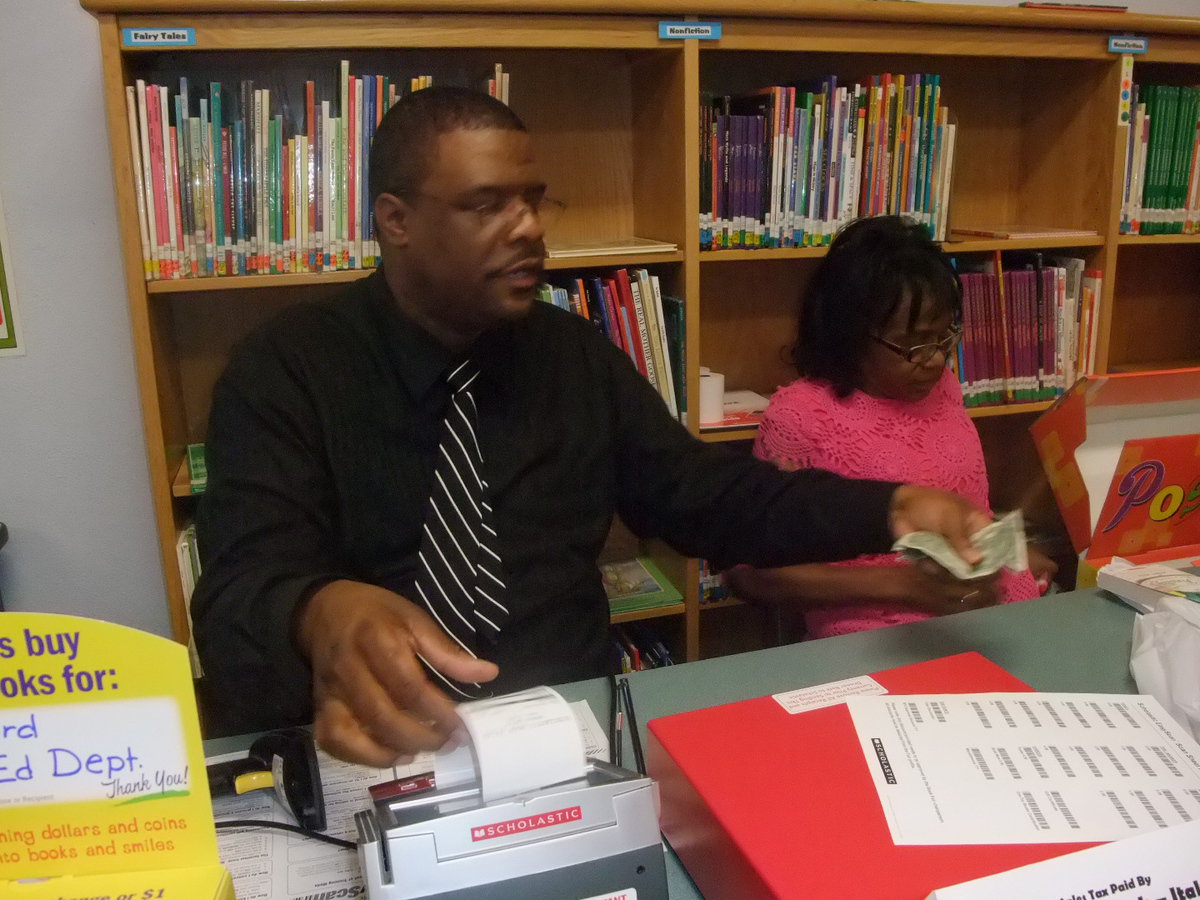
1144 586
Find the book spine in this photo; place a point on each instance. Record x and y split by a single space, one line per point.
646 362
329 162
158 188
342 167
1192 219
875 125
943 209
289 205
182 262
353 139
210 262
1137 192
182 179
815 163
154 223
311 165
139 184
666 373
933 138
217 122
169 183
256 224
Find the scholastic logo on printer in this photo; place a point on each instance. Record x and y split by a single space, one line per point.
528 823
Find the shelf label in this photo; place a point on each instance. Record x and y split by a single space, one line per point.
678 31
1119 43
158 37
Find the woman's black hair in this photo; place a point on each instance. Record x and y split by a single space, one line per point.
872 265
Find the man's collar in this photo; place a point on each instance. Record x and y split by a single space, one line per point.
419 359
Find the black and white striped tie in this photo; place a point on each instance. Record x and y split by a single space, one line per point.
460 580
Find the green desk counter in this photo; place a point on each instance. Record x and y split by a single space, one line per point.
1066 642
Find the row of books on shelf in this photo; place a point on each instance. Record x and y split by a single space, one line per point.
629 307
240 179
712 586
1161 193
1028 331
785 167
636 647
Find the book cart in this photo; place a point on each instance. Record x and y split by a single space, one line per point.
615 114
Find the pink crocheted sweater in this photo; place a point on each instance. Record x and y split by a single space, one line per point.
931 442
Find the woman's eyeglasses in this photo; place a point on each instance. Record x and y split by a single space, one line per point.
923 353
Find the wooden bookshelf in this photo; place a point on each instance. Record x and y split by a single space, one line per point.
615 114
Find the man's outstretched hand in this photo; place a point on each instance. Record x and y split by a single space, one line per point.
916 508
373 702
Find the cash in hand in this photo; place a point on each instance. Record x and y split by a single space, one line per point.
1002 544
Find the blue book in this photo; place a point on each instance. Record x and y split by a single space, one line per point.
239 194
218 176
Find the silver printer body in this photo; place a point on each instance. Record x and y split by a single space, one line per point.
595 838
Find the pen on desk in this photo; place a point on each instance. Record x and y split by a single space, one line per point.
613 709
615 722
627 693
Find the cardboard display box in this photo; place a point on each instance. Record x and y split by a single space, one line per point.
1122 454
103 792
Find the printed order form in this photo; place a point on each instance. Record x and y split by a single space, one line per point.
1019 768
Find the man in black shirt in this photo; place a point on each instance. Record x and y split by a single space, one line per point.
323 437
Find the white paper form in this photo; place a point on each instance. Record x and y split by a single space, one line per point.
274 865
1016 768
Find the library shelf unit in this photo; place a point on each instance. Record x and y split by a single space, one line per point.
614 112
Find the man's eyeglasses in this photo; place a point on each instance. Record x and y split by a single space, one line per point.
503 211
923 353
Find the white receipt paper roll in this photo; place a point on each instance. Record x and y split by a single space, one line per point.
712 398
523 741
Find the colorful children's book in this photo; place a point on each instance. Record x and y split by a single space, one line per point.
635 584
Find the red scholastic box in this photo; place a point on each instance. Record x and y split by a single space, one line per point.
1122 454
762 803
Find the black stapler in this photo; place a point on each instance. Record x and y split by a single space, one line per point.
285 760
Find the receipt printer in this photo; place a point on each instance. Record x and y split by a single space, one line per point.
591 838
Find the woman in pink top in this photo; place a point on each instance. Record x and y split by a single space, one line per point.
876 400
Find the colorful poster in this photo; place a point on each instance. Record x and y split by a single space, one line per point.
10 332
1154 499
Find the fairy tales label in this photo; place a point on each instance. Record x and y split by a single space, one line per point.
101 765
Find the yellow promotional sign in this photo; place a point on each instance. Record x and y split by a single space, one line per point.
101 763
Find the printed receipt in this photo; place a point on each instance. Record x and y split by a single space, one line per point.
523 741
1017 768
274 865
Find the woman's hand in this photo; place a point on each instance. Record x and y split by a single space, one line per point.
1041 567
927 587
